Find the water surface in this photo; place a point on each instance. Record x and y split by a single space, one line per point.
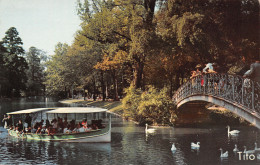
130 144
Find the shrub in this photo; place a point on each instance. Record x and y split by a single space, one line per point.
151 106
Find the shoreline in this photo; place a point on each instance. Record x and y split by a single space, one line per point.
118 110
115 107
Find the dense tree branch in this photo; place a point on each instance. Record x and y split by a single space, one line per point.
122 35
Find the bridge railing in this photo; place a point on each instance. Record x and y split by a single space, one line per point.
232 88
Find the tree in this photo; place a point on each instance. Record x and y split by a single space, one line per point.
153 106
35 72
14 63
55 79
121 26
205 31
3 70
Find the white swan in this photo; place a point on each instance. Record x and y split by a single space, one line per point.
258 156
194 145
256 149
233 132
173 147
248 151
223 155
150 130
235 149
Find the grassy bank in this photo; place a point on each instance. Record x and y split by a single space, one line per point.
112 106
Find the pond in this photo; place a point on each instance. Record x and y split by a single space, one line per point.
130 144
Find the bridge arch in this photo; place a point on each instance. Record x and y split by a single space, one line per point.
238 95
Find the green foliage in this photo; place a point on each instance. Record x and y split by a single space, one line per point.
123 42
35 72
131 102
153 105
3 70
14 64
55 77
12 42
156 106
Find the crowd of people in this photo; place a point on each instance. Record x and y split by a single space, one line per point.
252 74
55 126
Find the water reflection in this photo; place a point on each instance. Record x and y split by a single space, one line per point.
15 151
130 145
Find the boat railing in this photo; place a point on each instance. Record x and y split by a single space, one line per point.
106 127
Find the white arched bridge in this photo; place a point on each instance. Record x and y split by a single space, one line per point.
239 95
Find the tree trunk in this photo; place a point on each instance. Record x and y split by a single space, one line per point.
177 80
103 86
171 87
138 75
72 88
106 90
84 93
94 89
115 85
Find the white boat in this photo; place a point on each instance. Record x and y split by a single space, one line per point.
99 134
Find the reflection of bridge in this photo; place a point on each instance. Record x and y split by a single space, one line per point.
240 96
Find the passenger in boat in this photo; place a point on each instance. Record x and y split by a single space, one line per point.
17 131
41 123
72 124
7 121
99 124
80 128
28 120
39 129
94 126
65 123
19 126
47 123
88 129
28 130
60 125
50 130
43 130
35 127
54 123
84 123
67 129
11 127
75 130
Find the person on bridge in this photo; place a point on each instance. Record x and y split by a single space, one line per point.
198 69
195 74
254 72
209 67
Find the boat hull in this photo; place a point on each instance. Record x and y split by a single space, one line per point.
100 135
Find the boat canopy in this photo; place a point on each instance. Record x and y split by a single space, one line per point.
77 110
29 111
